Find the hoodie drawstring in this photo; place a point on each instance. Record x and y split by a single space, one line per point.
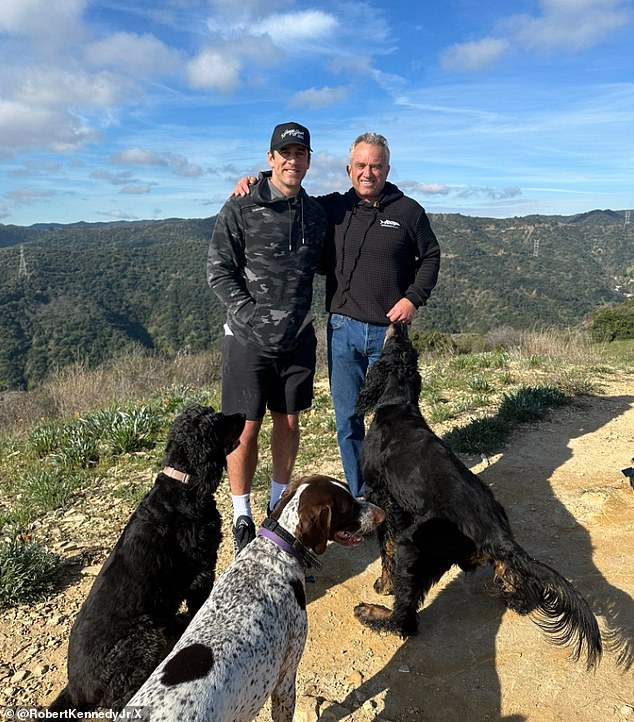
291 219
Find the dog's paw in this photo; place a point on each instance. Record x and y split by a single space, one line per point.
375 616
383 585
382 619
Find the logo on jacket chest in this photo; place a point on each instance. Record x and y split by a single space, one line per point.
386 223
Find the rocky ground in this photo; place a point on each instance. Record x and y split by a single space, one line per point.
570 506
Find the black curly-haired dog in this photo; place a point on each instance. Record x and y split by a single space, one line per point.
166 555
438 513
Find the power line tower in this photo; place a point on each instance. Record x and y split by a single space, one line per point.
536 247
627 219
22 271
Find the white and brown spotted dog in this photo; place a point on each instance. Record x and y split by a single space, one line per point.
246 641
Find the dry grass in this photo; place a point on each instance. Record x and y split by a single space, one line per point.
572 346
78 389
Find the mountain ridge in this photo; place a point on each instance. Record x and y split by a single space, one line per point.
91 290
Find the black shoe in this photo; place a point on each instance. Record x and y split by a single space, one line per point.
243 533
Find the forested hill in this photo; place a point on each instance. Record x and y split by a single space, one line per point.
88 290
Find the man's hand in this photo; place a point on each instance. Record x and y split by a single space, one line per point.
242 186
402 311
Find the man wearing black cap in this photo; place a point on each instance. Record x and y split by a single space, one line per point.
262 258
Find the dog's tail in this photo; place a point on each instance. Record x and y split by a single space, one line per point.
528 586
62 702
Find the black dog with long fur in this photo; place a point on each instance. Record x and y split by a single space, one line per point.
438 513
166 555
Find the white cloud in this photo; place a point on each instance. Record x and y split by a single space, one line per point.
474 55
290 28
246 8
32 168
23 125
428 189
211 70
51 106
26 196
50 97
140 55
42 18
493 193
139 189
177 164
319 97
57 87
351 63
117 179
569 24
562 26
138 156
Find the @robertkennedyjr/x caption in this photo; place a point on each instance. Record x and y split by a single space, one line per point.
29 713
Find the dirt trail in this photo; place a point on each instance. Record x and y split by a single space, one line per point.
570 506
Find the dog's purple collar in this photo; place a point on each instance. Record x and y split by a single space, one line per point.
176 474
276 533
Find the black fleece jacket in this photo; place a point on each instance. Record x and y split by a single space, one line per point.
375 254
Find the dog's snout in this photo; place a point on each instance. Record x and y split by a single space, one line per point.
378 513
371 516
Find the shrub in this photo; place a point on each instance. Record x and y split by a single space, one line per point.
613 323
78 447
432 341
131 431
45 490
46 438
27 571
530 404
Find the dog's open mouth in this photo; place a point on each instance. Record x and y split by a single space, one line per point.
347 538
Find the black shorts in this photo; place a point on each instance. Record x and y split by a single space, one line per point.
252 382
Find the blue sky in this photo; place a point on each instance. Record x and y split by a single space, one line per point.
132 110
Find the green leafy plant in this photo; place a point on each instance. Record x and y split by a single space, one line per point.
131 431
27 571
45 438
46 489
79 447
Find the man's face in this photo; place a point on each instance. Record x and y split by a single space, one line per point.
289 165
368 170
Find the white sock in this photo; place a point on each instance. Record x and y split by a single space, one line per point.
276 491
241 506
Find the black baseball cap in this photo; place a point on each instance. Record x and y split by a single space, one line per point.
287 133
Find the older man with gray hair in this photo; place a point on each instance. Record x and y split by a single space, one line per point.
381 263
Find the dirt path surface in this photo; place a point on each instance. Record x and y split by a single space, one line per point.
570 506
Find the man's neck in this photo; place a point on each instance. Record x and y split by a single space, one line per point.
367 199
282 192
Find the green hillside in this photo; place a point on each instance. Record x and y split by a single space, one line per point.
89 291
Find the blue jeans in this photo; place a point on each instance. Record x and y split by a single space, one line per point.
353 346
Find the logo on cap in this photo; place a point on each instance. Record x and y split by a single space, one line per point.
294 133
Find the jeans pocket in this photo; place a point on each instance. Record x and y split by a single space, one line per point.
336 321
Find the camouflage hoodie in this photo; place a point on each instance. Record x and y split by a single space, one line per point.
262 258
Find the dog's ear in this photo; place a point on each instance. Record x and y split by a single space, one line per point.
314 528
232 427
373 387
